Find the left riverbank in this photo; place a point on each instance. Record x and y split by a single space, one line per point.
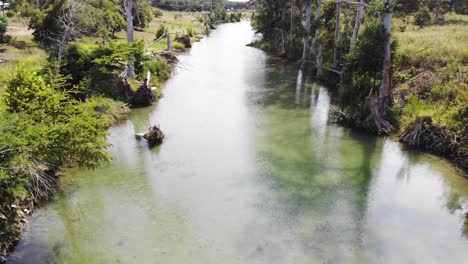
37 141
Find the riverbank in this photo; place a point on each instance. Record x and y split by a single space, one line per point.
17 200
430 79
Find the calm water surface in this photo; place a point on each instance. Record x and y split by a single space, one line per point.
251 173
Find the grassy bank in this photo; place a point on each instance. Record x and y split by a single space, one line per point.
431 80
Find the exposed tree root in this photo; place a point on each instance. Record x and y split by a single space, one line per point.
377 119
438 140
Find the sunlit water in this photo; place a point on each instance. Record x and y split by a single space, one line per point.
251 172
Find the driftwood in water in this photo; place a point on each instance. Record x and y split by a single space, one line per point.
144 96
155 136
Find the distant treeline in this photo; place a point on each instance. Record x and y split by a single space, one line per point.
198 5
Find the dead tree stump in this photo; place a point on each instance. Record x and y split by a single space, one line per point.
155 136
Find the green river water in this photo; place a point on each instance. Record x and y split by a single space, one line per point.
251 172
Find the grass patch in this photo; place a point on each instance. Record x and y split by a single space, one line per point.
432 74
32 57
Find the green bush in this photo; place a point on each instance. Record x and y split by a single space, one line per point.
10 13
49 125
157 12
178 45
95 70
3 29
159 69
161 31
422 18
190 32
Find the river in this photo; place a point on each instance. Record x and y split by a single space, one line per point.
250 172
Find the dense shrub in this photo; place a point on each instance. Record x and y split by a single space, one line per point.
4 38
157 12
161 31
94 71
422 18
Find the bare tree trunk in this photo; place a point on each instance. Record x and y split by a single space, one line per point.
63 42
71 27
437 10
337 35
291 30
357 25
128 4
169 42
305 52
386 84
319 61
317 49
316 27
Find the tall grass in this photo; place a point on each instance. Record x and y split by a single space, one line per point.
432 73
434 46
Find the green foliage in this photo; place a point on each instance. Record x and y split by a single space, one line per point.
235 17
159 69
49 126
364 64
422 18
161 31
406 6
10 13
108 110
207 29
94 71
190 32
157 12
113 22
4 38
142 14
178 45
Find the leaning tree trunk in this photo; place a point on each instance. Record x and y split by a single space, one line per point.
305 52
357 25
336 52
128 4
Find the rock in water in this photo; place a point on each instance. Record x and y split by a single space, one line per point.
154 136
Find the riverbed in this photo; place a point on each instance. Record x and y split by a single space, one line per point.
251 171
